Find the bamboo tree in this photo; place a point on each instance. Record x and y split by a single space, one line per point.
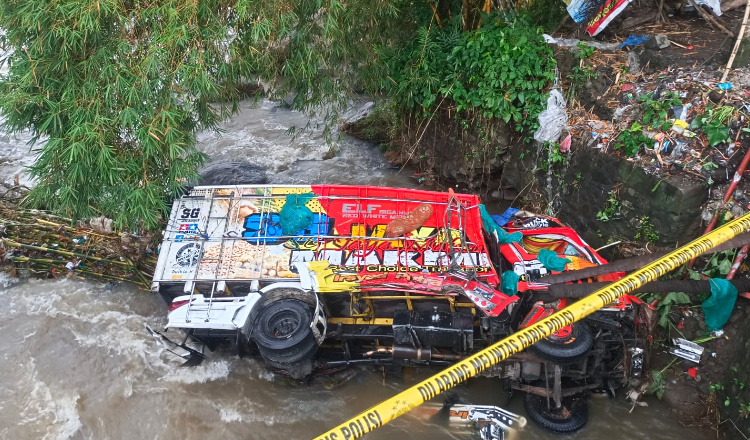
114 91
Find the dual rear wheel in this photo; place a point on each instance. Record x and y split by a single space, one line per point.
284 336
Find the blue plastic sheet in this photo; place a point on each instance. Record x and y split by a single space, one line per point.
503 220
633 41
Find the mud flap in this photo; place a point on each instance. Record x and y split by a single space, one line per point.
192 356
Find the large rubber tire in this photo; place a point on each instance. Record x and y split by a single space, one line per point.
570 417
284 338
566 349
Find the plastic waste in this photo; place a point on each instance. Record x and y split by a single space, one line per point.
509 282
570 42
503 219
714 5
501 234
621 111
679 149
632 40
553 119
580 10
295 216
725 86
607 12
565 144
679 126
551 261
718 308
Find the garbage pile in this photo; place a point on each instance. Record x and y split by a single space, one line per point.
38 243
678 121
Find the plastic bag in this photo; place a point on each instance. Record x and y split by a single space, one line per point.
295 216
551 261
503 220
509 283
553 119
718 308
501 234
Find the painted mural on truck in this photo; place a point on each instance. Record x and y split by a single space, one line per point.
238 233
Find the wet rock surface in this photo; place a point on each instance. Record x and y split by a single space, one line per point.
232 173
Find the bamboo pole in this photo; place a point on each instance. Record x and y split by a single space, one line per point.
737 43
57 251
712 21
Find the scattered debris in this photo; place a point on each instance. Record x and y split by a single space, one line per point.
657 42
42 244
686 350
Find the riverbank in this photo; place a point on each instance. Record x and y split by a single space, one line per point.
653 139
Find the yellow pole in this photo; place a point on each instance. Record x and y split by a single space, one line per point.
410 398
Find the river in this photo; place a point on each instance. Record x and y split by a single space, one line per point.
77 362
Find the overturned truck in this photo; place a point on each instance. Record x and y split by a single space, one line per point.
315 277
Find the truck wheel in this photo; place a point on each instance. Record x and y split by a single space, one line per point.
284 338
570 417
565 349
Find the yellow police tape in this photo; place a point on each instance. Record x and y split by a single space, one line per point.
409 399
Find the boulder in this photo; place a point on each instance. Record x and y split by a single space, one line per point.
658 42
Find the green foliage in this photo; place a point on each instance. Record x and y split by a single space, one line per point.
655 111
581 74
717 133
664 308
710 166
712 123
379 125
503 70
658 384
719 265
584 50
631 140
114 92
733 393
554 156
646 230
498 71
547 13
611 208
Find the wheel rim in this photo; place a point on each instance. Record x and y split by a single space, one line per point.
283 324
563 337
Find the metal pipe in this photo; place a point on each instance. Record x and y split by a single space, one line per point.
738 261
630 264
735 180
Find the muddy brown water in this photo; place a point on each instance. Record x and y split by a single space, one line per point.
77 362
